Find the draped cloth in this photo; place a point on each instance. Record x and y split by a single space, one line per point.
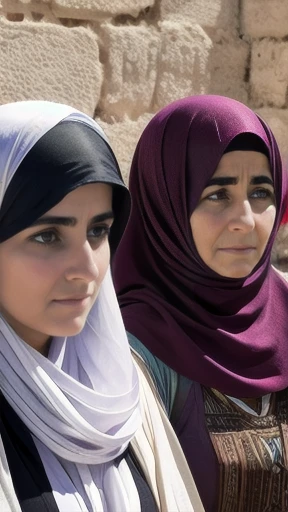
81 404
75 454
226 333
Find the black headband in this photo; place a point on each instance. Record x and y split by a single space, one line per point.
247 142
70 155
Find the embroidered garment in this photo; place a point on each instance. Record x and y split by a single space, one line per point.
252 452
195 420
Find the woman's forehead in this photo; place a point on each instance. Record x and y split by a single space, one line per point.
237 161
92 195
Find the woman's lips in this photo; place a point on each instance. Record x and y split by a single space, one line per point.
244 249
74 301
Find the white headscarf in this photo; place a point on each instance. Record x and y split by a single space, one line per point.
81 404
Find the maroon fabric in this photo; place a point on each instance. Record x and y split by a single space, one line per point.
194 437
230 334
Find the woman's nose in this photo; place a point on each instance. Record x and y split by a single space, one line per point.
82 263
242 217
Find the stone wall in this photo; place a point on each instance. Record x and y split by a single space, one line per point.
122 60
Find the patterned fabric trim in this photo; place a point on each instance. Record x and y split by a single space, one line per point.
252 453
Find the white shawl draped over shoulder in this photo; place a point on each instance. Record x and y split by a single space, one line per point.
88 400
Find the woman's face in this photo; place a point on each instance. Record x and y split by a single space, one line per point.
51 273
234 218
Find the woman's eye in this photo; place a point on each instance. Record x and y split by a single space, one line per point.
45 238
262 193
99 232
219 195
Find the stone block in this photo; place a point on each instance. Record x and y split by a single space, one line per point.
264 18
123 137
269 73
207 13
95 9
228 66
280 250
183 62
130 55
49 62
277 119
278 122
26 6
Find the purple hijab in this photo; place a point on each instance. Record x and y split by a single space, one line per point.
226 333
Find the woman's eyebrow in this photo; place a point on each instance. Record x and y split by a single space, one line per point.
257 180
223 181
69 221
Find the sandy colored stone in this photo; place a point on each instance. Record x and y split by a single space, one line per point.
26 6
280 250
269 73
95 9
43 61
123 137
277 119
227 63
207 13
131 55
79 9
183 67
264 18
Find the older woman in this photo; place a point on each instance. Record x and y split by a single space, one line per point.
81 426
200 300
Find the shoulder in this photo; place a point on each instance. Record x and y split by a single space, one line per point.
284 275
164 378
172 387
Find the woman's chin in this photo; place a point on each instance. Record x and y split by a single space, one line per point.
70 329
237 272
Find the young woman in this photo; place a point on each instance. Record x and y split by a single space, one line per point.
203 306
81 427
